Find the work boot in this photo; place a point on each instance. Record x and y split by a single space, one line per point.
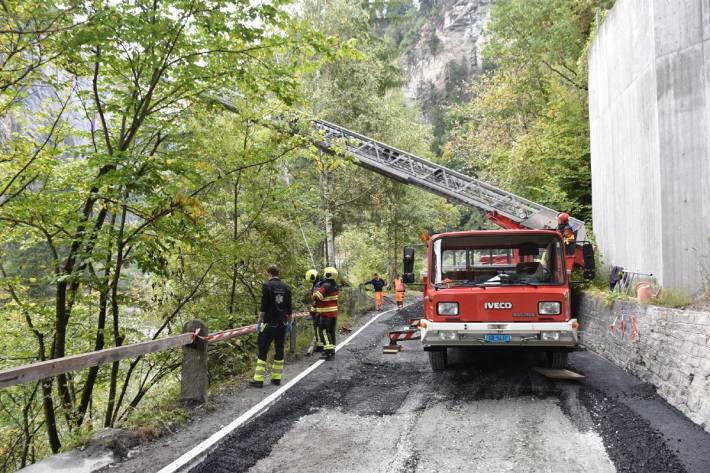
319 348
327 355
256 384
276 382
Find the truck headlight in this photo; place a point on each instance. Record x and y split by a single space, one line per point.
448 335
549 308
447 308
550 336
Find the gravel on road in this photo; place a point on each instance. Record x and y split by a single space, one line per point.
488 412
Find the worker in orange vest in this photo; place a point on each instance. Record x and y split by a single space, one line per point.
378 285
399 290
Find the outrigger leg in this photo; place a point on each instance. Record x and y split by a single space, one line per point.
411 333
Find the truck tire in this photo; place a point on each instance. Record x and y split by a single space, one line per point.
557 359
437 360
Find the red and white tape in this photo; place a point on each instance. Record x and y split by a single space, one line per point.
239 331
401 335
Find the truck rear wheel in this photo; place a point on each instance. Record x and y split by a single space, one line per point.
557 359
437 359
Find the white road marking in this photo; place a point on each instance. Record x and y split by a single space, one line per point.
257 409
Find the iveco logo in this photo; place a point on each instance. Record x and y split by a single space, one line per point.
497 305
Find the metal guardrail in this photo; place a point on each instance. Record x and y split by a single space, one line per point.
50 368
194 341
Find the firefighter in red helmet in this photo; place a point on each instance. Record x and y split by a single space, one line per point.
565 228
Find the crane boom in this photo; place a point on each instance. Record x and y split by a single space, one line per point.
503 207
433 177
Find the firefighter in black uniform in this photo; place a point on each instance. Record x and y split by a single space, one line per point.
313 278
274 316
326 300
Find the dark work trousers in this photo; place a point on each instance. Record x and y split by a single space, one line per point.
327 332
320 341
272 333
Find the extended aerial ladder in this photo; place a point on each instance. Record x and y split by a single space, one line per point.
502 207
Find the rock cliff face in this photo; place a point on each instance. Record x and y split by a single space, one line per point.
448 48
40 106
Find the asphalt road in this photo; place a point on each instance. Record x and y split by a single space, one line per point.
488 412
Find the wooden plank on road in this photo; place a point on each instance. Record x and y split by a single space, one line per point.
51 368
559 374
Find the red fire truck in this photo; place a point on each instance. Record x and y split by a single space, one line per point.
497 288
493 288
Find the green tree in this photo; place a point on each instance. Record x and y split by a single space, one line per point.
363 93
121 195
525 127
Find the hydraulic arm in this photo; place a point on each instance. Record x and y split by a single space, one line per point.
502 207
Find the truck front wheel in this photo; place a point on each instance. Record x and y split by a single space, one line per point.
557 359
437 359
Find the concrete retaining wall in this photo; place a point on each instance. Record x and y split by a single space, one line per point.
649 105
672 351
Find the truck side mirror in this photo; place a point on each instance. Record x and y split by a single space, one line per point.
590 265
408 265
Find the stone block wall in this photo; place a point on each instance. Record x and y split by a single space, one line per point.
672 350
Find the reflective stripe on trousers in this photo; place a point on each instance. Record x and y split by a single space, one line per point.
329 345
327 329
277 369
259 370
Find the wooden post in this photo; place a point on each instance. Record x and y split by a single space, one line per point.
195 378
293 338
352 302
362 299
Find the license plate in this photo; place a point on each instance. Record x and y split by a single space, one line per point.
497 338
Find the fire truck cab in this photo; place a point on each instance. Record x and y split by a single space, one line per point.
498 288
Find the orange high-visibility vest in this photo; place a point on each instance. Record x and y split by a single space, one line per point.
398 286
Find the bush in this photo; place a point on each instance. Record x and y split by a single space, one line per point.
669 297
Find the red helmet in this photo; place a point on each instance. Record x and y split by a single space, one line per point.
564 216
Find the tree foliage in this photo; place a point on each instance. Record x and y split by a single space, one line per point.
526 125
106 209
131 201
363 93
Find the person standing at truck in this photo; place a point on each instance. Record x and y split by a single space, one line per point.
326 301
563 222
315 280
567 232
399 290
274 315
378 285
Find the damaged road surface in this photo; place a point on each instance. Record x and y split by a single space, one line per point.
488 412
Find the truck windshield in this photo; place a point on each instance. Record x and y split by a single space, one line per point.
494 260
